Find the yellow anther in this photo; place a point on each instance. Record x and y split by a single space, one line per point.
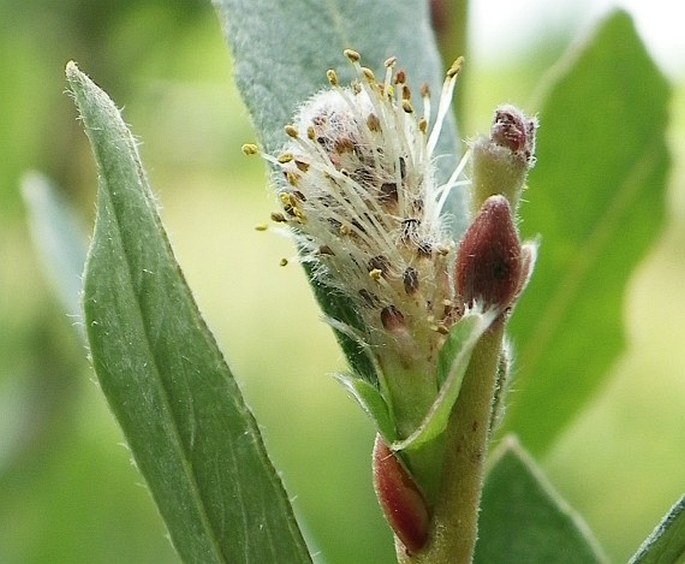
285 158
291 131
376 274
302 166
352 55
278 217
261 227
455 67
368 75
299 215
407 107
423 125
250 149
311 133
332 77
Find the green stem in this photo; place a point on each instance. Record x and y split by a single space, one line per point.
454 525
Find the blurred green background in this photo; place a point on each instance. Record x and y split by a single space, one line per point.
68 491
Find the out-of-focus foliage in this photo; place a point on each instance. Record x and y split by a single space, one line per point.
598 212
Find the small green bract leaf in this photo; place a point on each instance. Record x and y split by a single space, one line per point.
453 361
666 544
523 520
373 404
597 197
191 435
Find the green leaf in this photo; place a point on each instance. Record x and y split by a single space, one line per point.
597 196
57 236
191 435
282 51
453 361
523 520
666 544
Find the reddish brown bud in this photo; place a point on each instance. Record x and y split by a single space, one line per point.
500 162
488 267
400 498
515 131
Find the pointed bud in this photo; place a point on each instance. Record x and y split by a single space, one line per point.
402 503
489 263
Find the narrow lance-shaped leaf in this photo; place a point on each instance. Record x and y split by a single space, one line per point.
282 51
597 197
190 433
666 544
523 520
